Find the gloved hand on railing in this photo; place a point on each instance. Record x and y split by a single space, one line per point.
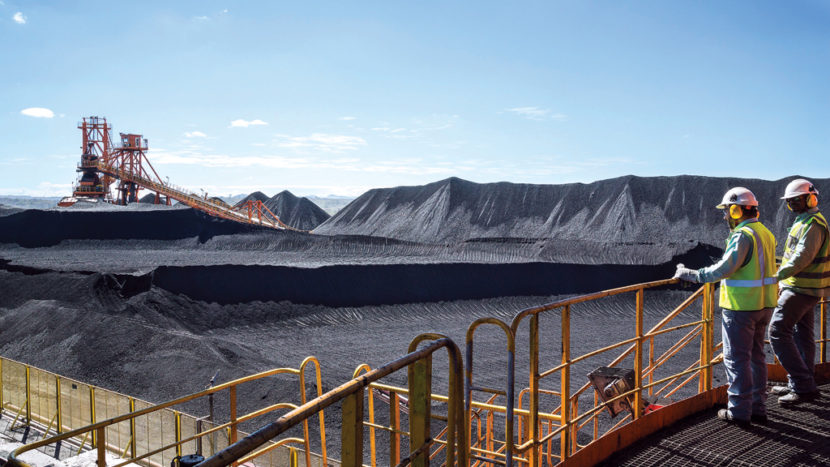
685 274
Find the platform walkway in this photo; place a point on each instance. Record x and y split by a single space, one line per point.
798 436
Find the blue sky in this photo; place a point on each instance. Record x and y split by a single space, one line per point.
324 97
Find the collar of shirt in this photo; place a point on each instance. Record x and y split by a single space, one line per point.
806 213
748 221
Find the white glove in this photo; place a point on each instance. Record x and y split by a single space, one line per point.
686 274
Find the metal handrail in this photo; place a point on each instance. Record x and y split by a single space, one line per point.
351 393
99 428
564 421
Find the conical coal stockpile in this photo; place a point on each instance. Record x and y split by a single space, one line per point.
299 213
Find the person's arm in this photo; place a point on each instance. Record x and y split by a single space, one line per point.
733 258
804 253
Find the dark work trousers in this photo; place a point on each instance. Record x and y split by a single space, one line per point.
791 334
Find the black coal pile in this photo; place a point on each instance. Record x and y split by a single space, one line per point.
255 196
38 228
630 209
299 213
157 345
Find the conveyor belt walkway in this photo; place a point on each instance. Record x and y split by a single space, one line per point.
254 213
793 436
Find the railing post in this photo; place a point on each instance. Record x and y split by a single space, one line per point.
351 444
638 356
420 406
651 366
92 415
533 422
565 412
707 336
395 423
102 446
178 416
28 397
133 434
234 428
58 406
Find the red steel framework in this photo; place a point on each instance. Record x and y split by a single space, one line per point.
103 164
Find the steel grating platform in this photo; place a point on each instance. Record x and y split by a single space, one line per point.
798 436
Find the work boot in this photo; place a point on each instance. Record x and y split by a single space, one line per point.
780 390
759 419
726 416
793 398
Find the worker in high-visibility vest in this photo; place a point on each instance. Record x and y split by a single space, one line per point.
747 297
804 278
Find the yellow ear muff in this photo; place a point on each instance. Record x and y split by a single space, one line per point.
735 211
812 201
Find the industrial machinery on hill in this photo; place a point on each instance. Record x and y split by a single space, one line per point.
126 169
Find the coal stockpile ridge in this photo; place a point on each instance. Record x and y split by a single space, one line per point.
360 285
149 198
299 213
39 228
624 209
255 196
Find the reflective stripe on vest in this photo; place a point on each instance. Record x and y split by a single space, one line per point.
815 275
752 286
770 280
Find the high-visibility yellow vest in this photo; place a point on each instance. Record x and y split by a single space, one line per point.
817 274
753 286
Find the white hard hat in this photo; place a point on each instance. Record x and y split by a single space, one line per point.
799 187
738 195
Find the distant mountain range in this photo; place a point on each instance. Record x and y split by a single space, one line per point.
629 209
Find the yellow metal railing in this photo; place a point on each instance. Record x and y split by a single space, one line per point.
534 429
482 425
135 430
422 444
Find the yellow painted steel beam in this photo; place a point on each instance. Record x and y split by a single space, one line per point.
28 396
132 429
351 438
533 422
420 409
638 354
92 415
395 423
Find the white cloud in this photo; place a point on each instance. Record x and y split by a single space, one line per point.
19 18
38 112
536 113
194 134
201 19
246 123
321 142
532 113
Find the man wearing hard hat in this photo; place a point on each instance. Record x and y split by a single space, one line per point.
747 297
804 278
